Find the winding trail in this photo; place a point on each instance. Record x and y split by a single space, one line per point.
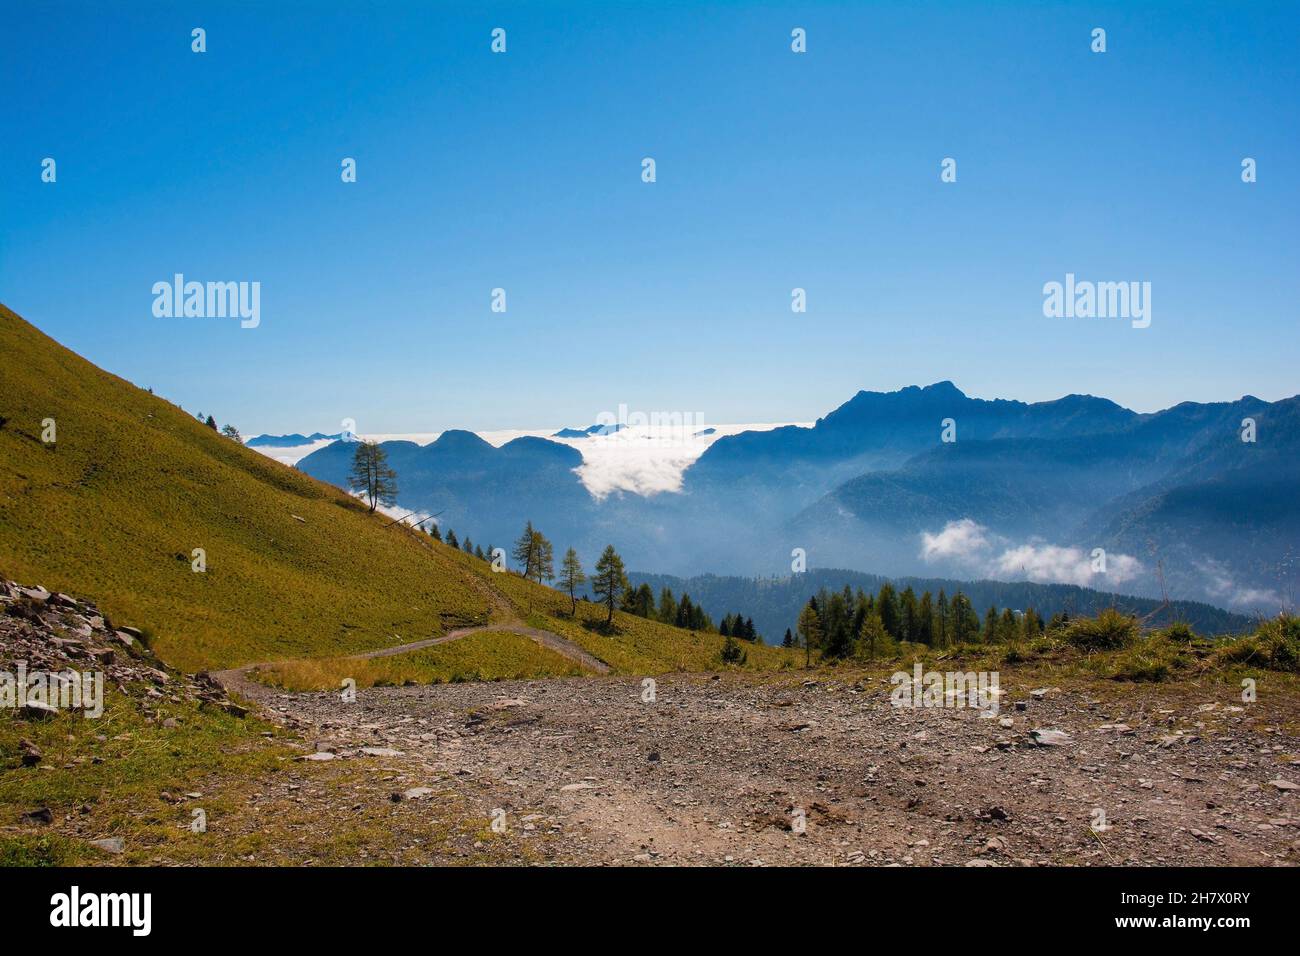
548 639
236 679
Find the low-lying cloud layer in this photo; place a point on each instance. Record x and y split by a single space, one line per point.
640 459
977 551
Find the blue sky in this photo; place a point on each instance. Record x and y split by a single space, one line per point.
775 170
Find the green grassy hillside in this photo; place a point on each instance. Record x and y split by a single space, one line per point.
295 568
114 509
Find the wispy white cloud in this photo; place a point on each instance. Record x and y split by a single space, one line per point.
973 547
1050 563
958 539
1224 587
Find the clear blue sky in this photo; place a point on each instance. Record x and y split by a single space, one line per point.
775 170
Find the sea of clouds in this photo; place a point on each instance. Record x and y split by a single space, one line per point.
640 459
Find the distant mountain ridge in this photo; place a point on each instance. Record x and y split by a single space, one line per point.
589 431
1176 495
289 441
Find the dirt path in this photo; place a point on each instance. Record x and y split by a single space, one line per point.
236 680
547 639
775 769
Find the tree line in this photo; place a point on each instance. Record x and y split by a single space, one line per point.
684 613
847 623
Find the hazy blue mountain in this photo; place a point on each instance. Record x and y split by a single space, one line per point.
883 429
288 441
1178 490
483 491
588 432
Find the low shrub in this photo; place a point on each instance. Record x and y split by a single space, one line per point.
1109 630
1275 645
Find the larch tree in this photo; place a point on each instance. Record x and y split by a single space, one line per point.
571 578
535 555
810 629
371 476
610 581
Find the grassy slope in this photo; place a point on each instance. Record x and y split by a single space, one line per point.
134 482
114 509
488 655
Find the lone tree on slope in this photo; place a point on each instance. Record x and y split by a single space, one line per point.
371 476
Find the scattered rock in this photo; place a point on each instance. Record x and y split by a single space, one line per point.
110 845
37 710
31 754
1050 738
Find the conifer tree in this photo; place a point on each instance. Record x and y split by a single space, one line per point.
371 476
908 623
667 607
810 629
571 578
610 581
873 634
887 608
941 620
925 620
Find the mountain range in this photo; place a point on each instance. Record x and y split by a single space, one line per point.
1196 501
289 441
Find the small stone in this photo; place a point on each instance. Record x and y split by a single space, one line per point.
110 845
1050 738
37 710
31 754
